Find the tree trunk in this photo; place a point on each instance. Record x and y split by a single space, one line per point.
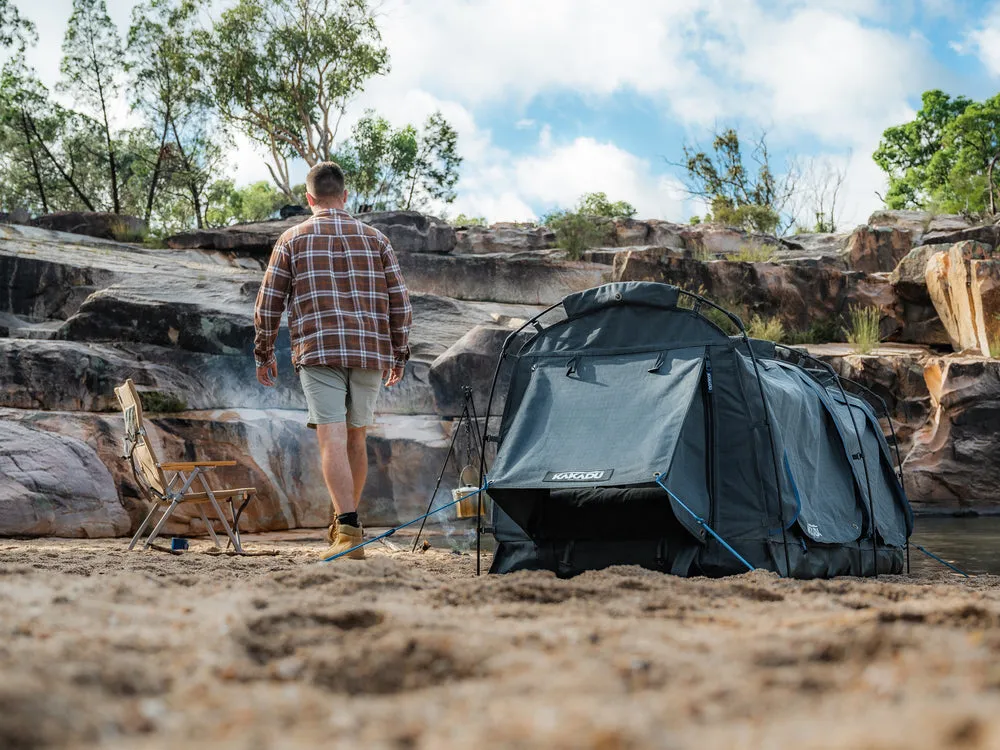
115 201
989 184
34 162
58 166
156 171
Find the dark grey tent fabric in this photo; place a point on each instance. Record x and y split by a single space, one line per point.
575 412
633 385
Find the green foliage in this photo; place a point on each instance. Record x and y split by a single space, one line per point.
588 225
283 71
469 221
16 32
93 59
157 402
946 157
401 168
168 89
752 253
575 231
768 328
821 331
597 204
749 198
227 204
863 331
123 232
694 220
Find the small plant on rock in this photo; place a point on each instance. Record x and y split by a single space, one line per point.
751 253
768 328
157 402
863 331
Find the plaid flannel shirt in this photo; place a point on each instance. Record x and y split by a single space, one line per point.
347 303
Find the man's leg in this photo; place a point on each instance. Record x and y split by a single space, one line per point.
357 457
334 447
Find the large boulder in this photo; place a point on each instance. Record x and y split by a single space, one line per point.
472 362
953 463
915 309
951 276
815 248
274 452
918 223
55 485
801 296
104 225
413 232
877 249
522 278
987 234
408 231
716 241
504 238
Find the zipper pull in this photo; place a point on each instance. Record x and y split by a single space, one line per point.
708 373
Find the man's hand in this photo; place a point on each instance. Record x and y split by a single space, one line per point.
268 373
393 376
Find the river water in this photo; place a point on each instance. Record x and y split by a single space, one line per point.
971 544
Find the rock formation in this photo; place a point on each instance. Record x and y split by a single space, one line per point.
80 314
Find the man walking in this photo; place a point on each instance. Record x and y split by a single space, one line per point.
349 317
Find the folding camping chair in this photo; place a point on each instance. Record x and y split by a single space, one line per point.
176 490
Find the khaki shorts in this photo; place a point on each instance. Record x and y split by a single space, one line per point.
340 394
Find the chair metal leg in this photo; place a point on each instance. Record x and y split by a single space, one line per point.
159 524
142 526
218 511
204 520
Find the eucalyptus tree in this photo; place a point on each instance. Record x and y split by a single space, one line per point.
284 71
168 90
401 168
92 63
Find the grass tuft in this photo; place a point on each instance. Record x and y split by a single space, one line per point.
863 330
750 253
769 328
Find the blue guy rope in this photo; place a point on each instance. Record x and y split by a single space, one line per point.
390 532
701 522
943 562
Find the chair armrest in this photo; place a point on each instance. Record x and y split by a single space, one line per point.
187 465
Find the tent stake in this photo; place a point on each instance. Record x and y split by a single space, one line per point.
392 531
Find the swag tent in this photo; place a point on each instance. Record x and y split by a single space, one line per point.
636 431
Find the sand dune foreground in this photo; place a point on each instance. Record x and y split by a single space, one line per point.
99 647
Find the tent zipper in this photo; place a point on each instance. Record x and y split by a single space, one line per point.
710 436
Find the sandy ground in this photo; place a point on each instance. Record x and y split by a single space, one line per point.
100 647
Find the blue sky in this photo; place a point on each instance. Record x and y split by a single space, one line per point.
554 98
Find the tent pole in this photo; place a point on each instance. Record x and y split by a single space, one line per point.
489 406
444 468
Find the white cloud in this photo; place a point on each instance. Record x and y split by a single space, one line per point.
557 177
985 43
824 71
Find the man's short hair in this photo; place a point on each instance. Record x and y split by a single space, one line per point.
325 180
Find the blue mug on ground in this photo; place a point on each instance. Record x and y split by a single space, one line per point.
178 543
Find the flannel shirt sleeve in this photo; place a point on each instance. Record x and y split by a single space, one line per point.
400 310
271 301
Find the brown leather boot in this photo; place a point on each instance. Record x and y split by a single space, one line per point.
346 537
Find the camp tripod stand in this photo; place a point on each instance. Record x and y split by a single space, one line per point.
469 421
